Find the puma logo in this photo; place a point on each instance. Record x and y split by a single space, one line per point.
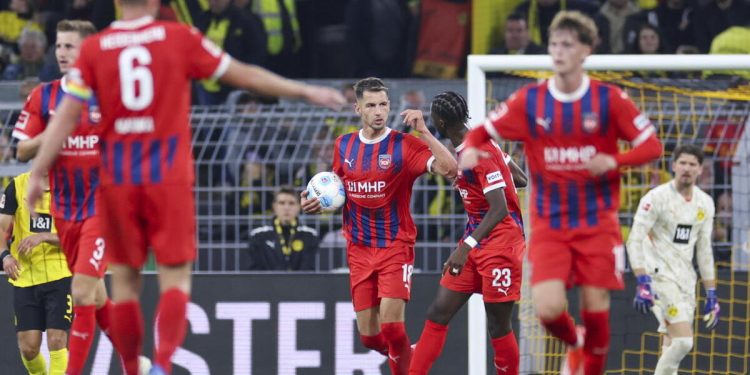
503 369
503 291
544 122
392 358
349 162
270 244
82 335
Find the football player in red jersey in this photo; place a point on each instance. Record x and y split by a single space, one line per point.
378 167
73 179
140 70
489 257
570 125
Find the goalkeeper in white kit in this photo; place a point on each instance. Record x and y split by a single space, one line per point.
671 221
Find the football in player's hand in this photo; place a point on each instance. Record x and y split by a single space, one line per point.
328 188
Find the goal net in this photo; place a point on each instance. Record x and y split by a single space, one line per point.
686 106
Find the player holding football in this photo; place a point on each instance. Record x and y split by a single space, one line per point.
489 258
570 125
378 167
672 220
73 178
140 70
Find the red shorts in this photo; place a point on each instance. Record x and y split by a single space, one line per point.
592 257
83 245
376 273
495 270
157 216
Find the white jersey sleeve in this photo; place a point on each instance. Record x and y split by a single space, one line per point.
667 228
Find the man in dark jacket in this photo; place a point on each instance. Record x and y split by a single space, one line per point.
285 245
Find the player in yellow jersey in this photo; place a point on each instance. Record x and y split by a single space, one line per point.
38 271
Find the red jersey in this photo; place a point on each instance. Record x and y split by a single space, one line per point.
140 70
378 176
490 174
75 174
561 132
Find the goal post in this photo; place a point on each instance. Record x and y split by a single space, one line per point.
477 95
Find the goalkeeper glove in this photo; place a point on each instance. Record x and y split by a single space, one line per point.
711 309
644 298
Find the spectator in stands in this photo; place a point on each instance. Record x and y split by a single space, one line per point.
18 16
616 13
540 13
672 17
412 99
239 33
283 37
377 37
648 41
718 15
285 245
31 44
733 40
516 39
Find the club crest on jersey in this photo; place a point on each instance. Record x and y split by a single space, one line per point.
701 215
384 161
94 115
590 121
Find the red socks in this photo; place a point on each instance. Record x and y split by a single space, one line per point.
506 354
81 335
399 348
376 343
596 344
563 328
171 326
429 348
102 316
127 333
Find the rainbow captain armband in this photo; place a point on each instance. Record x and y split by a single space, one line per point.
74 86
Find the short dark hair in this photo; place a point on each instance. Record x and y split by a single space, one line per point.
286 189
574 20
517 16
369 84
450 107
83 28
690 149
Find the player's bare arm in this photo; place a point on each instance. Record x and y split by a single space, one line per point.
10 264
519 176
444 164
28 148
310 205
60 127
262 81
27 244
497 212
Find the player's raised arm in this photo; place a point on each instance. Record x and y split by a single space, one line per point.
520 180
444 164
60 127
262 81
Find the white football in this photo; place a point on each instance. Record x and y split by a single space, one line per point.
329 189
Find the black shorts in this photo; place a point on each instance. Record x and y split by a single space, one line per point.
43 306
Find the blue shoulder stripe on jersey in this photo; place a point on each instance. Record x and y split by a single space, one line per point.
531 110
118 151
154 153
367 157
380 227
398 153
470 176
342 147
549 111
573 205
603 109
606 192
353 153
80 192
171 150
555 212
93 185
46 96
136 162
67 198
365 221
586 105
355 221
394 220
591 204
539 194
567 118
